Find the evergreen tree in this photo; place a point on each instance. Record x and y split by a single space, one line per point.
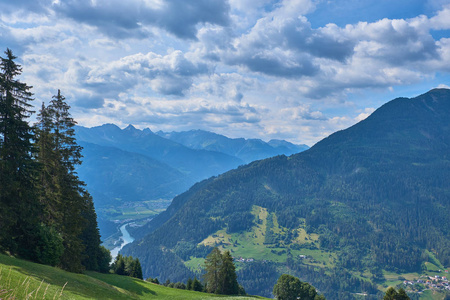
197 285
119 265
228 278
213 265
189 284
392 294
19 220
67 205
71 202
137 271
104 260
91 236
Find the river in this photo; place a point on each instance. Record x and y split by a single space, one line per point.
126 239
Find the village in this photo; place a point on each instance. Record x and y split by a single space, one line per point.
425 282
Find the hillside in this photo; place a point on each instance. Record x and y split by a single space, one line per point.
365 202
20 279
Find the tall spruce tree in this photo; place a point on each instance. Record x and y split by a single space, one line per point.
229 284
19 208
220 276
67 205
213 265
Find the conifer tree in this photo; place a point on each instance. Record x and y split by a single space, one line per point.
213 265
189 284
197 285
137 271
67 205
229 284
19 210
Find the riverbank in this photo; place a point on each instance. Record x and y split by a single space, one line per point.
125 239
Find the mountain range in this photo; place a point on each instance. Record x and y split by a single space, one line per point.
364 202
129 170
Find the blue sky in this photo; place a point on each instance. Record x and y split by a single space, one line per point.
295 69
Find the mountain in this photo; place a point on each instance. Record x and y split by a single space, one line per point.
133 174
247 150
364 203
110 172
198 164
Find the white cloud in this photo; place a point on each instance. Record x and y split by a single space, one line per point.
252 68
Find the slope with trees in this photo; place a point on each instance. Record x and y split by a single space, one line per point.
372 197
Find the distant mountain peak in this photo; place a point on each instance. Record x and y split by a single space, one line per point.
130 128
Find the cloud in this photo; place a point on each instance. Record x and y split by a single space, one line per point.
124 19
170 74
88 101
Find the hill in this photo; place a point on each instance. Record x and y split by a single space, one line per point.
365 202
247 150
20 279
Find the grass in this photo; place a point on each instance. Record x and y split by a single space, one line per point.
21 279
251 244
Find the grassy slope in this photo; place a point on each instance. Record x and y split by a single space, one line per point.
251 244
19 278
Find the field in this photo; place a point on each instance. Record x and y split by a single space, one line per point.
21 279
254 244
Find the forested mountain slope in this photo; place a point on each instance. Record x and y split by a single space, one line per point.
373 197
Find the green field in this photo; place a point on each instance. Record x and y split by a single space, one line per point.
253 244
21 279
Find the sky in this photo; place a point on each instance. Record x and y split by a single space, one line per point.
297 70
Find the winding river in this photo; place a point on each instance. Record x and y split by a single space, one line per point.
126 239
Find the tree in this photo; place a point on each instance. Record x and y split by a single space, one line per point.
197 285
220 276
228 278
104 260
392 294
213 265
189 284
119 265
19 218
287 288
137 270
291 288
66 203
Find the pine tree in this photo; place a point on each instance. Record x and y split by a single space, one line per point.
62 193
119 265
228 278
19 220
91 236
189 284
137 272
213 265
197 285
67 205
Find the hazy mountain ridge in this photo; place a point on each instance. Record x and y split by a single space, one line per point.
246 149
375 195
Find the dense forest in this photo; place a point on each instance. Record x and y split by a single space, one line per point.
47 215
377 195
